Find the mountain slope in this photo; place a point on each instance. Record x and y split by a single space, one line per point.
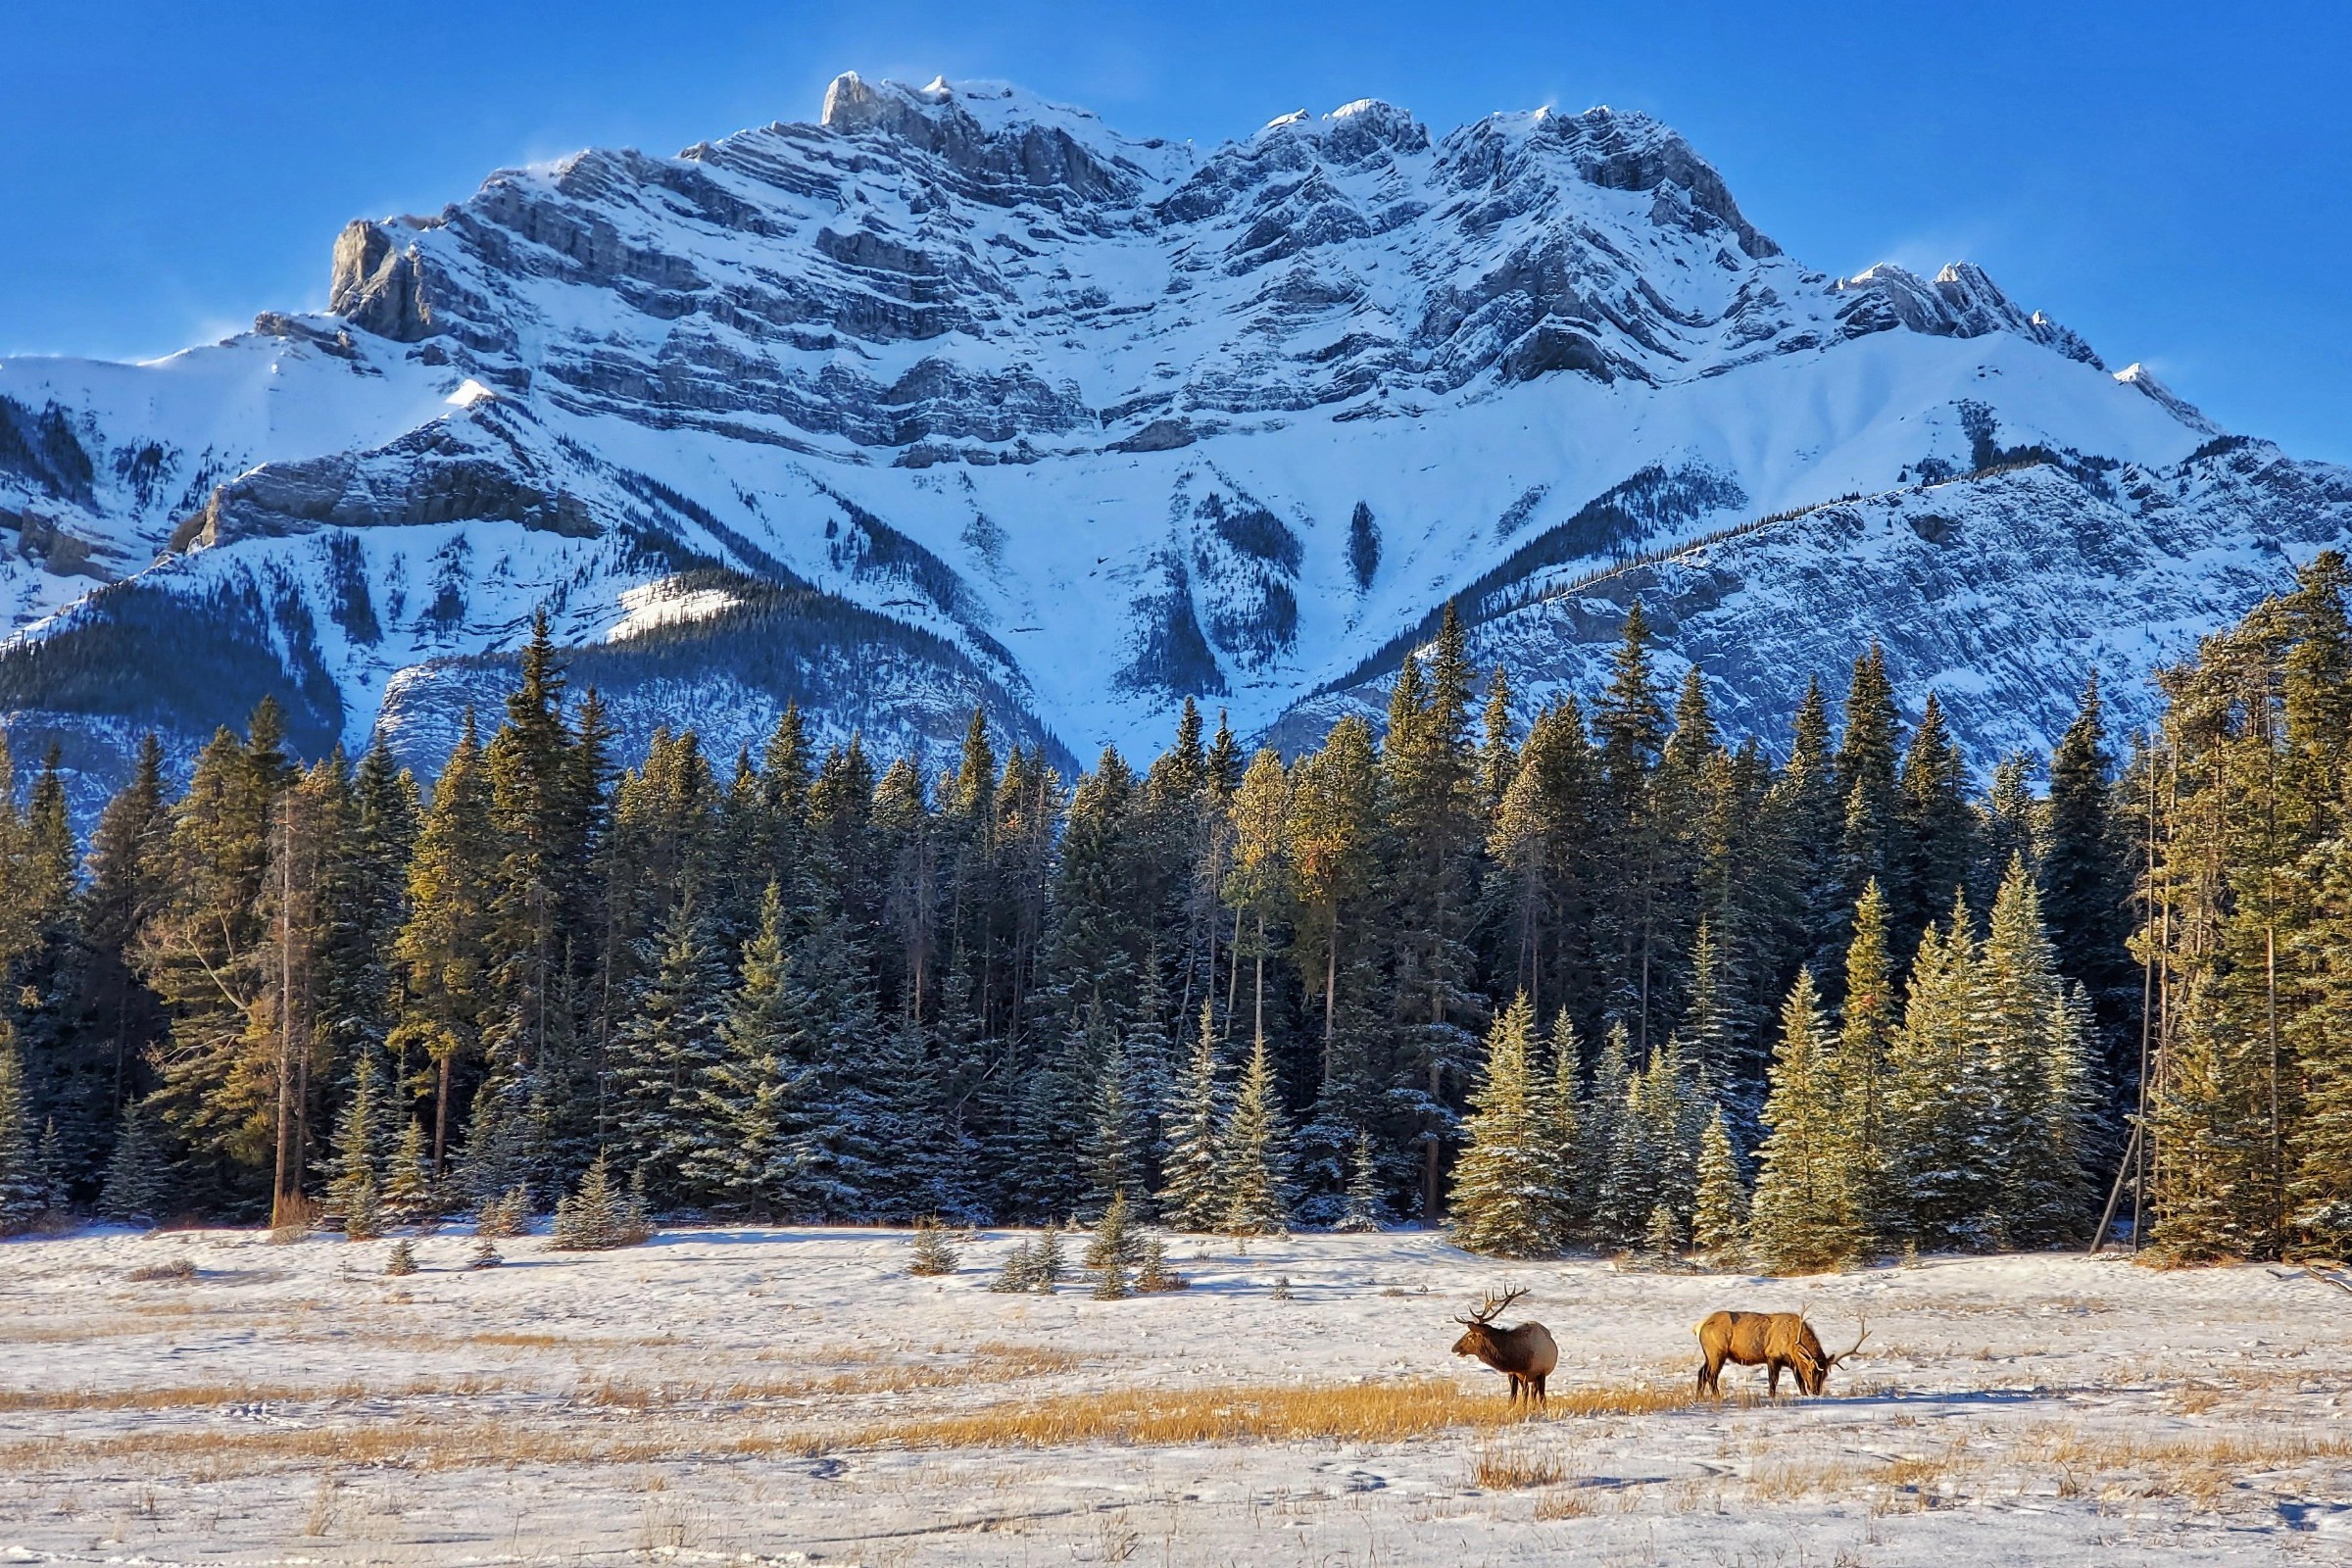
958 396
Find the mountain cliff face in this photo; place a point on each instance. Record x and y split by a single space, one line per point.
959 397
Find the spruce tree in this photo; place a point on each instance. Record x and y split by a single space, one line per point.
1195 1197
1867 781
408 1191
2034 1059
355 1189
1803 1217
1859 1067
23 1187
1506 1198
670 1045
1603 1115
1119 1139
1362 1214
138 1185
757 1094
1718 1217
1939 1093
1256 1149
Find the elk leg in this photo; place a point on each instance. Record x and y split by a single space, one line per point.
1542 1397
1773 1379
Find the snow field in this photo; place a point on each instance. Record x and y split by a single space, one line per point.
797 1396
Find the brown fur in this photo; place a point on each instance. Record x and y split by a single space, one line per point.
1772 1341
1525 1355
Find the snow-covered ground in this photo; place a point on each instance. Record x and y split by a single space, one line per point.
784 1395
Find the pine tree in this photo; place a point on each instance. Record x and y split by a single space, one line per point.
1155 1277
2033 1057
2086 880
1653 1154
23 1187
1719 1218
1194 1197
206 954
1937 829
596 1217
1506 1198
1939 1093
1019 1273
1605 1113
1362 1215
1047 1264
933 1254
401 1260
758 1094
1865 1038
1867 782
1256 1149
670 1045
1116 1240
356 1190
1803 1219
409 1192
138 1187
1662 1236
442 947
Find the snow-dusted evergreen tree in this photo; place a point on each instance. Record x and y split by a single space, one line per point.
1603 1115
1151 1067
836 1031
355 1189
1865 1038
1119 1140
138 1179
1192 1197
599 1216
1256 1149
1116 1239
24 1188
1654 1156
758 1093
1561 1090
2035 1058
1506 1198
668 1044
1802 1219
408 1194
1939 1093
1718 1217
1362 1214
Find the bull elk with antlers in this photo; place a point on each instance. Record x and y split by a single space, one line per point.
1771 1340
1525 1355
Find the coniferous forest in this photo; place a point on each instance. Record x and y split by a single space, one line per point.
1596 975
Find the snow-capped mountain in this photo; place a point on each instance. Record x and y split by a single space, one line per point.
958 396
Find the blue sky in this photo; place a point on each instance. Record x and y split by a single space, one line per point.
2173 180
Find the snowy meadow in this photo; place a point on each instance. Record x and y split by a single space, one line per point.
798 1395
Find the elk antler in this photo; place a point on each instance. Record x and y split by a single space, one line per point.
1856 1346
1492 1308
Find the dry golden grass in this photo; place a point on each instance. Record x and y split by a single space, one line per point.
197 1396
1374 1412
1564 1504
1361 1413
1512 1465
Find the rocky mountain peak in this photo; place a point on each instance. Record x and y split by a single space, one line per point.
958 397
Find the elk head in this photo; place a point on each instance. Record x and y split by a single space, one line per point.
1478 1334
1813 1365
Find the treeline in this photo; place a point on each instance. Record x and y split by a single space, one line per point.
1589 977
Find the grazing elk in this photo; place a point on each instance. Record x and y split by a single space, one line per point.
1771 1340
1525 1355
